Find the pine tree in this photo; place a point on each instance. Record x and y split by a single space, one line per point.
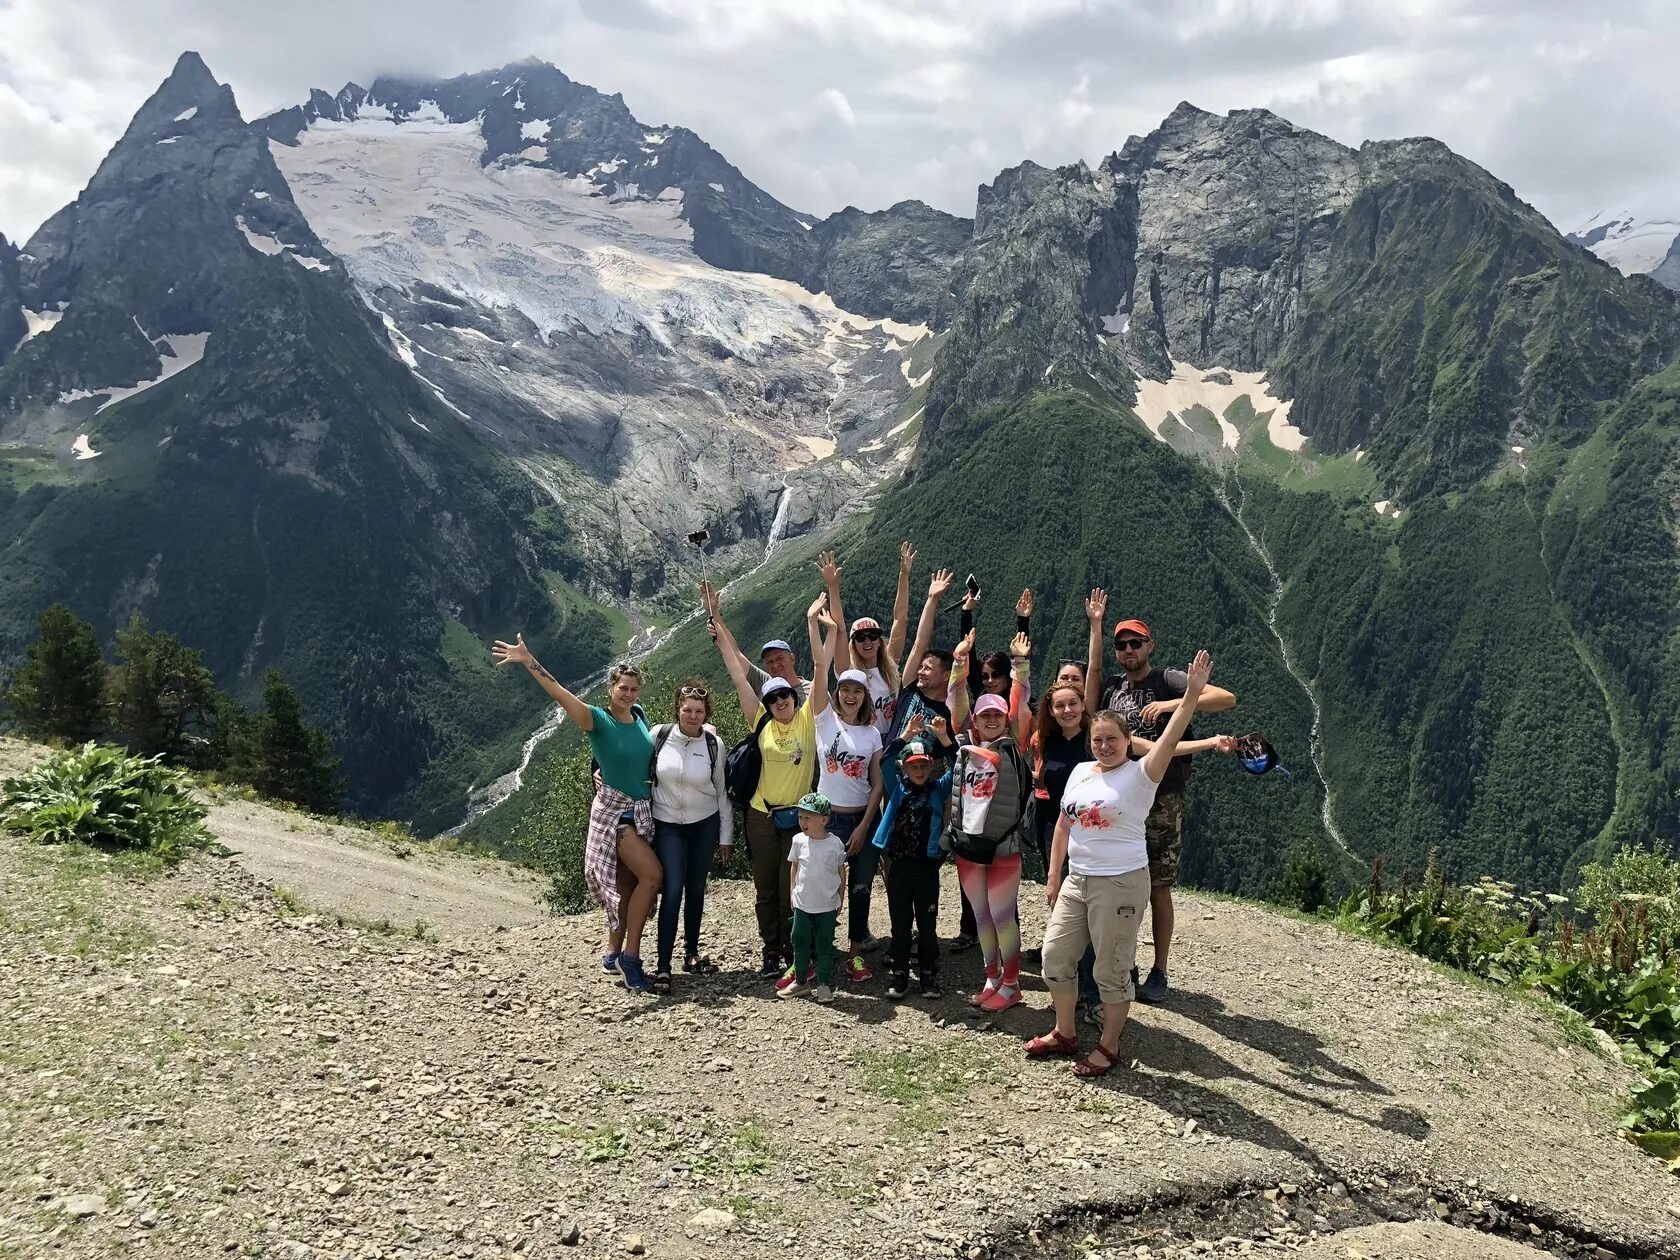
59 693
163 698
294 761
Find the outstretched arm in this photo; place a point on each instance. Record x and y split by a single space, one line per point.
1096 605
901 604
516 653
1020 689
733 661
817 619
1160 757
938 587
1187 747
830 570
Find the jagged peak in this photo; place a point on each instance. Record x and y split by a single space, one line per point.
189 92
1184 111
192 74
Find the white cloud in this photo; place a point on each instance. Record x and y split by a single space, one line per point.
926 100
834 101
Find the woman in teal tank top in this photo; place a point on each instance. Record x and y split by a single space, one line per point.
619 863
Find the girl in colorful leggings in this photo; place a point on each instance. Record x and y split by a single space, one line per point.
991 784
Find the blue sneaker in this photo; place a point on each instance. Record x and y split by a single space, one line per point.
1154 986
609 963
635 979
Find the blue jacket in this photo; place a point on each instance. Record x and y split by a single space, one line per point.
897 789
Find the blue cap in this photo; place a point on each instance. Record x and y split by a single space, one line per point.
775 645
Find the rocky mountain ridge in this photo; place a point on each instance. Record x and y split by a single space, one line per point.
1634 245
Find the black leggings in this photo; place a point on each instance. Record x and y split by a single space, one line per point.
913 899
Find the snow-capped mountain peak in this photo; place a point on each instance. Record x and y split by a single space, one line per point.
1632 244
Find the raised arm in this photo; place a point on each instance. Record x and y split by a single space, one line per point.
901 604
818 619
516 653
733 661
956 694
1024 612
1160 757
938 587
1096 607
842 656
965 627
1020 688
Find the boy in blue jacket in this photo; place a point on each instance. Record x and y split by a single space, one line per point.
912 822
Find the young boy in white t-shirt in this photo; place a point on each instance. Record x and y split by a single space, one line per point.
818 859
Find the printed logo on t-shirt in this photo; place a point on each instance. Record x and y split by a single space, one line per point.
844 761
980 782
1090 817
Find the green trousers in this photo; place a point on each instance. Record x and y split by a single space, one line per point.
814 933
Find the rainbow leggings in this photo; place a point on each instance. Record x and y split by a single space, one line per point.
992 888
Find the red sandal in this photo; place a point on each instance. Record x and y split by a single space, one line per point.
1052 1044
1087 1068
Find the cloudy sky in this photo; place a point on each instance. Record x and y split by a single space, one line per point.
830 102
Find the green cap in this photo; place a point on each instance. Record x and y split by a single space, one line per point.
915 750
815 803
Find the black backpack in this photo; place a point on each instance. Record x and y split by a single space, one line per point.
744 765
665 729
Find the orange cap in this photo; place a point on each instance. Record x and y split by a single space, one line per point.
1133 626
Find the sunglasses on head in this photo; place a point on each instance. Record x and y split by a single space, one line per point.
1129 645
693 693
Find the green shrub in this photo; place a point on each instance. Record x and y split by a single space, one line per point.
96 794
1620 974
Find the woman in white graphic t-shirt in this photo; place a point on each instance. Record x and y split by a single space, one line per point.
848 774
864 648
1101 900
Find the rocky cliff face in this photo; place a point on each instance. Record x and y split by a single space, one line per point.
12 325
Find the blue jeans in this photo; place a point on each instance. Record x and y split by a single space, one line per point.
685 854
860 875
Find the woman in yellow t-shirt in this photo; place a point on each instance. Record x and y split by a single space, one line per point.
787 742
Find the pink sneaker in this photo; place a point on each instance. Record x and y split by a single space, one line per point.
1002 998
786 982
857 971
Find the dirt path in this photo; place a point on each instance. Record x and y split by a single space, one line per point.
220 1074
341 869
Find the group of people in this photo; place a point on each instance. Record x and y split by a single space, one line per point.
894 763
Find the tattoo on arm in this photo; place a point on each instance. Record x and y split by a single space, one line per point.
538 671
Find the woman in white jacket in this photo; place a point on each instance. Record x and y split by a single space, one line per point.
691 821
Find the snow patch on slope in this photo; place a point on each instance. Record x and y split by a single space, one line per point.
37 322
81 448
188 114
185 349
1162 401
536 129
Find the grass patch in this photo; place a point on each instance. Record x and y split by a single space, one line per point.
921 1079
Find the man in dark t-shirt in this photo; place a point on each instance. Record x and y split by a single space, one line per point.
1148 697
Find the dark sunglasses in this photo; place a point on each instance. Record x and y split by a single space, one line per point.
693 693
866 636
776 697
990 677
1129 645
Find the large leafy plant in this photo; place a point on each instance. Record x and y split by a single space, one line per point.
100 795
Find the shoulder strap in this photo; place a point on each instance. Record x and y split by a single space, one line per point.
662 732
712 743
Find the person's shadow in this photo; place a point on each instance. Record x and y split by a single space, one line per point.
1301 1052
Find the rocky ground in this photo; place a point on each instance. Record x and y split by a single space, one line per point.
208 1062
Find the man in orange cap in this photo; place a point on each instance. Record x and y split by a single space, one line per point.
1148 697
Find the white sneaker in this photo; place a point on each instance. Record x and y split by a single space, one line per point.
823 993
797 989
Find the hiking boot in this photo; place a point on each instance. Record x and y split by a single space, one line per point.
857 971
930 986
635 979
1154 987
899 986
